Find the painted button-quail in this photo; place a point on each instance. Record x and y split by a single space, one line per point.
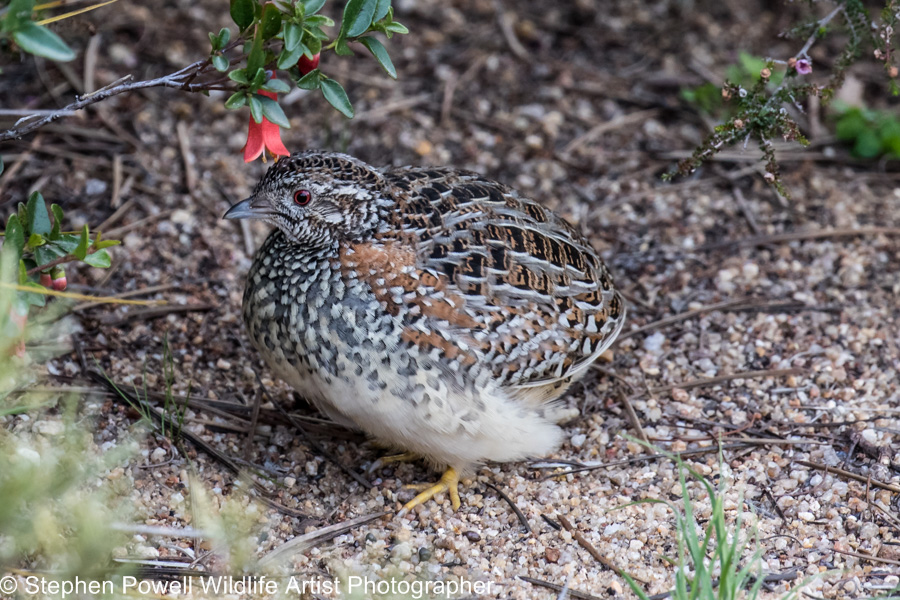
440 312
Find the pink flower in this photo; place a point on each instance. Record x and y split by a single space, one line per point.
264 136
803 66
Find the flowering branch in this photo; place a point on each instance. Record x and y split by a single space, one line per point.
761 112
285 35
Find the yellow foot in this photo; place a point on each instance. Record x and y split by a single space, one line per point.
395 458
449 483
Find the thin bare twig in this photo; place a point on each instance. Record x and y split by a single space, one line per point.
558 588
633 418
180 79
301 543
582 541
878 559
161 420
850 475
723 378
512 505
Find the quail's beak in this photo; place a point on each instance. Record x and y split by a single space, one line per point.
251 208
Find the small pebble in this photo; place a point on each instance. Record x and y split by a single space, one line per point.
473 536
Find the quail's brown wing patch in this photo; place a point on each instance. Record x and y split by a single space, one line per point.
518 280
417 296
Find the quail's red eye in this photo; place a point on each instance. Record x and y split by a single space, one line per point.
302 197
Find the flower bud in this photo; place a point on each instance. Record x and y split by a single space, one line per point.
738 124
892 72
58 277
305 65
765 73
46 280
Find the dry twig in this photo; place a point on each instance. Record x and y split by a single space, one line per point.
850 475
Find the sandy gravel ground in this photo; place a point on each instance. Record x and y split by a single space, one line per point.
762 322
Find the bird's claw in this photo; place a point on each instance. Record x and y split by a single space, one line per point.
449 483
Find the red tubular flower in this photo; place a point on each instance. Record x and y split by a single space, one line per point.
264 136
305 65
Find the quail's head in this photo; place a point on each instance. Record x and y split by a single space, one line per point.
318 198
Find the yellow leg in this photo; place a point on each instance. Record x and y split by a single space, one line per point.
395 458
449 483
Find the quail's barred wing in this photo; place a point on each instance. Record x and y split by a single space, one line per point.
503 281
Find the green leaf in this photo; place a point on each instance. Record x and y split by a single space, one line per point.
239 76
867 145
277 86
256 58
851 124
23 272
289 58
18 13
38 219
336 96
259 79
83 244
100 259
313 46
341 48
357 17
318 21
214 41
220 63
271 21
293 33
35 240
34 299
380 53
40 41
313 6
57 220
273 112
236 100
22 212
381 9
256 110
15 235
396 27
48 252
106 244
66 243
242 13
310 81
224 37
